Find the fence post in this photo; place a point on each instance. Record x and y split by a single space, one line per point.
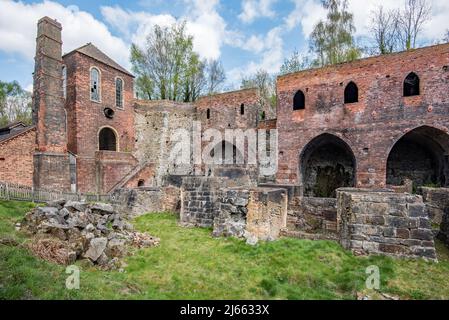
7 192
32 194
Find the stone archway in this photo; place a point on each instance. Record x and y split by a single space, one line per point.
421 156
326 164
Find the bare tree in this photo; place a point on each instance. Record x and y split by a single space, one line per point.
385 30
412 19
446 38
266 86
215 76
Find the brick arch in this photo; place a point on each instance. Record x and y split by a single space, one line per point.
428 148
117 137
326 163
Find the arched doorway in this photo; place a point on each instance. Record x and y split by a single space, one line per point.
421 156
107 140
326 164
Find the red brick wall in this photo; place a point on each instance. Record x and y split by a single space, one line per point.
372 126
225 110
112 167
16 158
147 174
86 117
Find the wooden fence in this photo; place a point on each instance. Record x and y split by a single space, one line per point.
11 191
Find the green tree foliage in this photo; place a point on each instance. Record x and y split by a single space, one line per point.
296 62
332 39
168 68
15 103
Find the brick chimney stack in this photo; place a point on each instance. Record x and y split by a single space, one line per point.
51 161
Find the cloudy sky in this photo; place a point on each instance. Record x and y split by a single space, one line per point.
246 35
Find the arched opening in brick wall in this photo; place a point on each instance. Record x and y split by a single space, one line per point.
141 183
107 140
411 85
326 164
351 93
229 153
421 156
299 101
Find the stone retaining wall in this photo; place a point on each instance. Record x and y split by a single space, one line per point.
312 215
384 223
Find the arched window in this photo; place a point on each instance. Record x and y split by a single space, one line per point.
351 93
64 81
119 93
262 115
208 113
141 183
411 85
95 85
242 109
299 101
107 140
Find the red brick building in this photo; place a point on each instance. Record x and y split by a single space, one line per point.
83 109
17 143
368 123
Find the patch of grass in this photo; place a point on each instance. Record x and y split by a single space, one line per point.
190 264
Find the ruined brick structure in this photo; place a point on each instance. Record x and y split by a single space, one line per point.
375 123
380 137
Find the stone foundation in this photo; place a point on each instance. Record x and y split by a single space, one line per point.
313 215
384 223
146 200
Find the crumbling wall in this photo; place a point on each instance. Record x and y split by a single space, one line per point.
312 215
384 223
156 124
231 218
437 203
267 214
199 198
146 200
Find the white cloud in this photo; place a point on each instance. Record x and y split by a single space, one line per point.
18 29
203 22
253 9
307 13
271 52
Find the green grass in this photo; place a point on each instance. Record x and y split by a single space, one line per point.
190 264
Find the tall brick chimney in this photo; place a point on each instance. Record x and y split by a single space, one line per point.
51 160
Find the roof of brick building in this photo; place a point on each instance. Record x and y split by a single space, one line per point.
13 130
92 51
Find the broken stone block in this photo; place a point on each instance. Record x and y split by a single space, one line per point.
96 248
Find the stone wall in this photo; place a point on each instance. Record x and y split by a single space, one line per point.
144 200
199 199
437 202
156 122
267 214
16 158
384 223
312 215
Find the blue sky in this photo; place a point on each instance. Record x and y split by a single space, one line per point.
246 35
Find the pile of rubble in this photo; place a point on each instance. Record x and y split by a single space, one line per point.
66 231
